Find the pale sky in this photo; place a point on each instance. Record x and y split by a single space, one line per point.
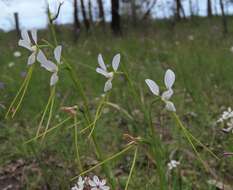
32 13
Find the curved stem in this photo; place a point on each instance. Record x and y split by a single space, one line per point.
132 168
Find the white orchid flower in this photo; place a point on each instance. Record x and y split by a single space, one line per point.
173 164
49 65
80 184
27 43
103 70
97 184
169 80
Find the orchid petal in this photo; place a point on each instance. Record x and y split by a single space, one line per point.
34 35
116 61
101 62
108 85
57 53
96 180
41 58
169 78
53 79
25 36
102 72
167 94
154 88
25 44
91 183
170 106
32 58
105 188
50 66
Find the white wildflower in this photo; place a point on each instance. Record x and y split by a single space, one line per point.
231 49
173 164
191 37
11 64
103 70
49 65
97 184
227 119
169 80
27 43
17 54
79 185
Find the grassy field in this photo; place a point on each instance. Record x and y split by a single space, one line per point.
196 51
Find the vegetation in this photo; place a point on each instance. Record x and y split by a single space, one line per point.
196 51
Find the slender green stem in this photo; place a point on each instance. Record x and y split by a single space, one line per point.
22 88
97 115
190 141
44 114
194 138
132 168
76 144
105 161
50 112
23 93
48 131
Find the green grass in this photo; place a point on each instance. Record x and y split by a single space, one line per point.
204 86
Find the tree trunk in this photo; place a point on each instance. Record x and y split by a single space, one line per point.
134 12
179 10
90 11
209 8
101 12
76 19
16 16
224 19
85 20
191 8
115 24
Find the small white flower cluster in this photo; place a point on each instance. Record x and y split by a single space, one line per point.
227 117
38 55
173 164
90 184
103 70
169 80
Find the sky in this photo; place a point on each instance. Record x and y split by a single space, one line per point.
32 13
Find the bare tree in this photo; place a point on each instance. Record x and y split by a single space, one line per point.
209 8
224 19
179 9
16 17
149 8
76 18
101 12
115 24
85 20
90 11
134 12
